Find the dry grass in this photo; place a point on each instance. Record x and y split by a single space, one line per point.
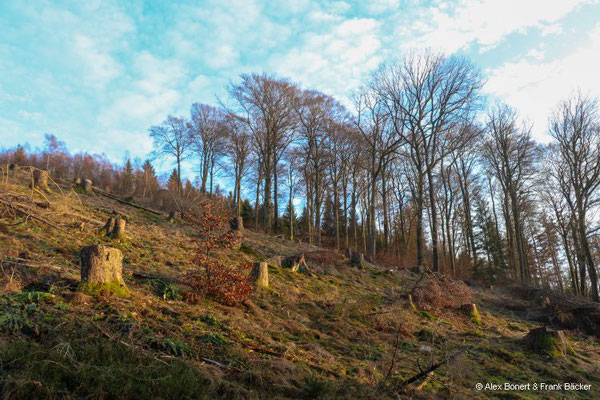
332 335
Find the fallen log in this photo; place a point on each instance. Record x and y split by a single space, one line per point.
113 197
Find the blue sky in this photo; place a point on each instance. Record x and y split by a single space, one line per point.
98 74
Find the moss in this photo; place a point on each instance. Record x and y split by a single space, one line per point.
113 288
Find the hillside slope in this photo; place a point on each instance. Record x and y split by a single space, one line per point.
341 332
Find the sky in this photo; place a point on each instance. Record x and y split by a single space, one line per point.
98 74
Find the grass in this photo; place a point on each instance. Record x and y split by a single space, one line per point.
333 335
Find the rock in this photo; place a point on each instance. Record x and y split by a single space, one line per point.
294 262
100 265
237 224
260 274
547 341
358 260
40 180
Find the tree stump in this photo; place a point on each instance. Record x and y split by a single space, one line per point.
348 252
294 263
77 181
119 228
101 265
358 260
40 180
547 341
236 224
109 226
472 312
173 215
86 185
260 274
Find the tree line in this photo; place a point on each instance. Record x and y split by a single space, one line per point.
419 171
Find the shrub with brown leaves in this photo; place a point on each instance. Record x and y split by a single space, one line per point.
438 292
228 285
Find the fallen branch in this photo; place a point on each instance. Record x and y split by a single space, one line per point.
39 219
428 371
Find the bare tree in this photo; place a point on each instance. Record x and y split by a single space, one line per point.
172 138
575 127
267 105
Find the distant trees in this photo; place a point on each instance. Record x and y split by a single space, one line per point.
266 106
414 175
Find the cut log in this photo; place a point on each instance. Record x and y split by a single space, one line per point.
100 265
40 180
260 274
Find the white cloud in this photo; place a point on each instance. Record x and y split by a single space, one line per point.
486 22
336 61
99 68
536 88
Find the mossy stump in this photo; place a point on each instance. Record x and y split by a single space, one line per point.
546 341
40 180
260 274
472 312
102 270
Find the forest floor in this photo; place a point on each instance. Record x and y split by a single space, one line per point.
341 332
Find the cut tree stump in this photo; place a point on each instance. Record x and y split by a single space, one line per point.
236 224
109 226
260 274
119 228
348 252
40 180
173 215
547 341
295 263
87 186
101 265
358 260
